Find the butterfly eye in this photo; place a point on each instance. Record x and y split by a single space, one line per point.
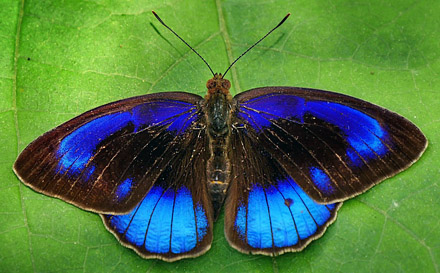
226 84
211 84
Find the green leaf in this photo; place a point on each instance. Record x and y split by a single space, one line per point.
61 58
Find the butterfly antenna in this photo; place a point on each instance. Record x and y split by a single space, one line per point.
160 20
277 26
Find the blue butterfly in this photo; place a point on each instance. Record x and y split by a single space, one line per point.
159 167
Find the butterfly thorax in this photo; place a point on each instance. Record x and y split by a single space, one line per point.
218 102
218 114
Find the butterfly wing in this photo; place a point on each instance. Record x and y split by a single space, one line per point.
333 146
266 211
174 220
107 159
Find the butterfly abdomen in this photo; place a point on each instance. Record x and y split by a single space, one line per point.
218 174
218 115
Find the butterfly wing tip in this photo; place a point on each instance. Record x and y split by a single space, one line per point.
14 169
22 180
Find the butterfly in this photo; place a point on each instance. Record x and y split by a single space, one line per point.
158 168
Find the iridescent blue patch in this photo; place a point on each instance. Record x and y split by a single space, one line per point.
161 112
184 224
124 189
278 106
361 131
181 124
241 220
321 180
165 221
202 222
280 213
254 119
259 111
364 134
158 233
76 149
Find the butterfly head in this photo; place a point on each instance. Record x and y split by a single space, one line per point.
218 85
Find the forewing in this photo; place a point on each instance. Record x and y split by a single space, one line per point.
266 211
174 220
107 159
333 146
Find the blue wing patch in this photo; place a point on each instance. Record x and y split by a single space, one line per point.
321 180
365 135
124 189
280 216
367 139
167 223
